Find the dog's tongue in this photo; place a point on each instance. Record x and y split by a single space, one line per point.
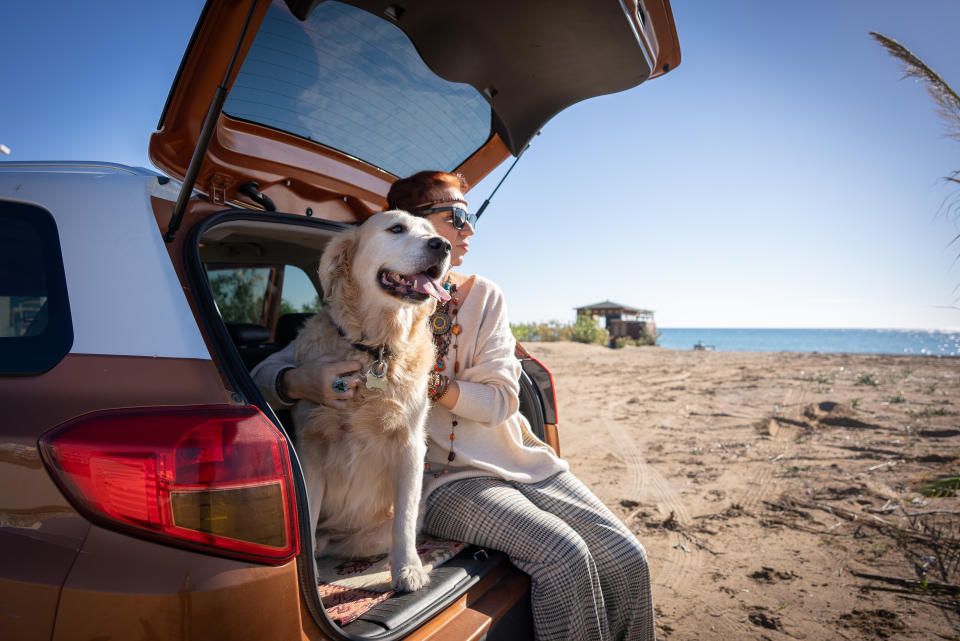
426 285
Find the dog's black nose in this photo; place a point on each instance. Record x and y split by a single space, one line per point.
439 244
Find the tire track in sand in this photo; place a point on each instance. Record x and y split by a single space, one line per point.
645 484
764 485
724 623
680 561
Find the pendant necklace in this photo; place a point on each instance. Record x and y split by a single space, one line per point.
443 323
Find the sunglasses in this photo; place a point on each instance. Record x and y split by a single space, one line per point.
459 216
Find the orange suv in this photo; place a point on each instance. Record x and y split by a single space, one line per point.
146 488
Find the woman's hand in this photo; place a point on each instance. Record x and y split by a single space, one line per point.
313 382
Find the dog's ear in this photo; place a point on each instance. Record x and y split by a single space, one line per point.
336 260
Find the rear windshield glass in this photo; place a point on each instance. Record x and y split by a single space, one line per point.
354 82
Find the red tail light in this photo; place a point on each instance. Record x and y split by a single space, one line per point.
216 478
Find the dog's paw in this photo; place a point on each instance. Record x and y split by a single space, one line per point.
410 578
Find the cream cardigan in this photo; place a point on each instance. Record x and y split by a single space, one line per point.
490 432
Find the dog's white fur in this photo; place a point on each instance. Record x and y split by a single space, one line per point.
363 465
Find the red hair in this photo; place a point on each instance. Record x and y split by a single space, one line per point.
423 188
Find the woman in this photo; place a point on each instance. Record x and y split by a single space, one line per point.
488 480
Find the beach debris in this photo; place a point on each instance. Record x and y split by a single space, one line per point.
681 546
836 415
949 433
770 575
887 507
831 493
871 520
876 624
909 583
764 620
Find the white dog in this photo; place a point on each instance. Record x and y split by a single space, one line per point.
363 465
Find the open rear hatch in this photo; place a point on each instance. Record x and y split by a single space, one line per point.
335 100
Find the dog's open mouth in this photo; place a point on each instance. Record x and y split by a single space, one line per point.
417 287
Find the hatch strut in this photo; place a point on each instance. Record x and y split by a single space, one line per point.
206 133
514 164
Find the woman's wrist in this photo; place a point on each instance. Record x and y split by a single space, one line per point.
437 386
281 387
450 396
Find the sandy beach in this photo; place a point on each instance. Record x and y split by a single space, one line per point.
778 495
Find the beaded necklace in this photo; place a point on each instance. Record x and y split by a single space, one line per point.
445 331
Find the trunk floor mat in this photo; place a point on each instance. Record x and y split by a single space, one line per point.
350 587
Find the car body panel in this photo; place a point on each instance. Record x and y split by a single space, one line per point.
174 594
36 521
29 592
105 222
36 524
83 383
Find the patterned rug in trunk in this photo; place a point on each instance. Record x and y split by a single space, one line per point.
348 588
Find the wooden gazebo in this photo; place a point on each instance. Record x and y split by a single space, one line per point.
623 320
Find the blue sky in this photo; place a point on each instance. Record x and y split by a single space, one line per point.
781 176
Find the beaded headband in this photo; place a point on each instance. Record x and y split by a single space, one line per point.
435 202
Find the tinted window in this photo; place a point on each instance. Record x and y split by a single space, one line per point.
241 293
36 330
351 81
299 294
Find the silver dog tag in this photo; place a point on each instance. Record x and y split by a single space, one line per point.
376 383
377 375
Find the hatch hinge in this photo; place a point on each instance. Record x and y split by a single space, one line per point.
217 187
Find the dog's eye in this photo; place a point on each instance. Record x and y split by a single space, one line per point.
397 229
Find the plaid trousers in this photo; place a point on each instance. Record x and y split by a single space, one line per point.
589 574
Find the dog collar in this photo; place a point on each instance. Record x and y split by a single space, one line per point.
376 375
380 352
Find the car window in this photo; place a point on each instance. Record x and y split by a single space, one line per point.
36 329
299 293
354 82
246 294
242 293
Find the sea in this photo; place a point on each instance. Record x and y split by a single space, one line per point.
850 341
